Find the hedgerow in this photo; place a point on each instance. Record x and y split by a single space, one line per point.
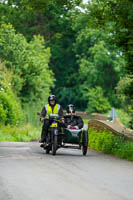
107 142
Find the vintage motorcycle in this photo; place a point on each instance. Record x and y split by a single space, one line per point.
58 137
54 136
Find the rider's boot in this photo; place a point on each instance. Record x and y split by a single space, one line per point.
43 145
43 136
42 140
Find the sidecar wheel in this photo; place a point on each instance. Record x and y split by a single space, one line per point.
85 142
84 150
54 145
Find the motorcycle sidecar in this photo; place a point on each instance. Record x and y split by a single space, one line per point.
76 139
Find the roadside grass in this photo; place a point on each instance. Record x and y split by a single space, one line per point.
28 129
85 121
108 143
25 133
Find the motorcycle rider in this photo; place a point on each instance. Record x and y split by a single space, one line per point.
51 108
71 119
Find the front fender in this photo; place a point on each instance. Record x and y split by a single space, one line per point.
55 132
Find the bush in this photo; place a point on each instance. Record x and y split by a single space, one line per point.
124 117
101 141
124 150
22 134
108 143
97 102
3 114
10 108
125 96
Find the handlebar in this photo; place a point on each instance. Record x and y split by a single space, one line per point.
51 116
38 113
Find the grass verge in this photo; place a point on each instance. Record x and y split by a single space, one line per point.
25 133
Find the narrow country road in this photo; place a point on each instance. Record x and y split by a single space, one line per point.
27 173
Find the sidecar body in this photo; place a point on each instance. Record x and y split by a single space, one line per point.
72 136
76 139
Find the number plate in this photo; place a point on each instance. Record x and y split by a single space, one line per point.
54 125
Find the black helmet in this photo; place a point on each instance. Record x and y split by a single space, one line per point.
51 98
70 108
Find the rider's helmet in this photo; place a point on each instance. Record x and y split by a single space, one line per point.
70 108
51 98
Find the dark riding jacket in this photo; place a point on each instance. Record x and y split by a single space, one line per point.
73 120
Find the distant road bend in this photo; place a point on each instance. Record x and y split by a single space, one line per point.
27 173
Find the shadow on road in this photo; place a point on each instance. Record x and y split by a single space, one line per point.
67 153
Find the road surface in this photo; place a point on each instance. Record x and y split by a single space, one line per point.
27 173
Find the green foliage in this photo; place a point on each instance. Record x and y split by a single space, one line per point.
51 20
3 114
29 61
97 102
10 108
85 121
83 44
19 134
124 91
104 141
125 95
103 12
100 62
108 143
43 6
124 150
31 116
124 117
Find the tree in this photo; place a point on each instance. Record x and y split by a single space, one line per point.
96 101
29 62
100 61
78 41
120 14
50 19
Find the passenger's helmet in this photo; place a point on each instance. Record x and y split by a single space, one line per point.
70 108
51 98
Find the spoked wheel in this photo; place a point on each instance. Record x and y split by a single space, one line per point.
85 142
54 145
47 146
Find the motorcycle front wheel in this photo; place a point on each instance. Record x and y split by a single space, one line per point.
54 145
